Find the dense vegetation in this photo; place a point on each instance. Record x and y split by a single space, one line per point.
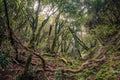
59 40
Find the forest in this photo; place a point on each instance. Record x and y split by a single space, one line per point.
59 39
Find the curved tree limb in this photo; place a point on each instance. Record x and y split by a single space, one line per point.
13 37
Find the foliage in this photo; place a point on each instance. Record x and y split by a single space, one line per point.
58 75
62 32
4 59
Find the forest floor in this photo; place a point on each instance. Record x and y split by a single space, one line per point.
107 60
14 69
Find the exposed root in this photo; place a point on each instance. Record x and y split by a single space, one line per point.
82 67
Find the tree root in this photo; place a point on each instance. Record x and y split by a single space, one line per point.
82 67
